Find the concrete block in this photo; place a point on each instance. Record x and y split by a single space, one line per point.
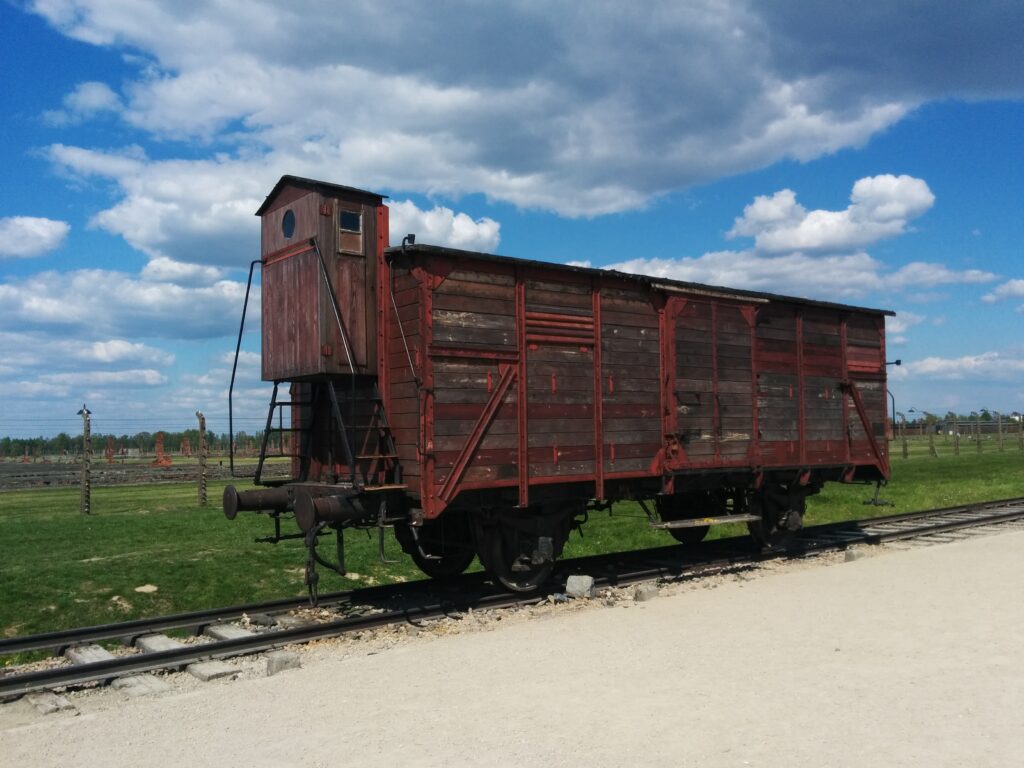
211 670
579 585
287 621
47 703
227 632
157 643
87 654
645 592
279 661
140 685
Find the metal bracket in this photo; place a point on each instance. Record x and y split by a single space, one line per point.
312 577
877 502
382 523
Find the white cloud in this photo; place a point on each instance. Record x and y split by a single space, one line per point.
28 351
145 377
442 226
880 207
843 276
23 236
179 211
164 270
94 301
502 101
928 275
896 327
903 321
601 120
817 253
1008 290
984 366
86 101
245 359
835 276
118 350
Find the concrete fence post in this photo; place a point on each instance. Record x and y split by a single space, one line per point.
202 458
86 503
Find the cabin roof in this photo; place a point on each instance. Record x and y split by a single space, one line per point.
323 187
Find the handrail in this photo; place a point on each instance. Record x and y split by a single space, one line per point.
234 371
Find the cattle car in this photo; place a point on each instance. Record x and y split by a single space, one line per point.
480 405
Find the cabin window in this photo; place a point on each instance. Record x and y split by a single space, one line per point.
350 231
350 221
288 224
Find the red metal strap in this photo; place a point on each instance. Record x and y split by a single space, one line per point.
480 428
850 387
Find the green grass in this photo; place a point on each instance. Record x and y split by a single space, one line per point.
62 569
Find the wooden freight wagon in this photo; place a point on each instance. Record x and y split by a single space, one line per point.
482 404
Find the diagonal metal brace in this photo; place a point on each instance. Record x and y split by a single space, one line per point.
849 386
476 436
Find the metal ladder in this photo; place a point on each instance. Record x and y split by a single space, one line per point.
373 463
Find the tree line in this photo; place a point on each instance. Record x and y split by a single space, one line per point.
141 442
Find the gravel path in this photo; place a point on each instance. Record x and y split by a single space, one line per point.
909 657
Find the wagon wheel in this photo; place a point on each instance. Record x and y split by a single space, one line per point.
519 554
690 506
447 541
781 518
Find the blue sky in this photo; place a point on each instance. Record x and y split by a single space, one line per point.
867 153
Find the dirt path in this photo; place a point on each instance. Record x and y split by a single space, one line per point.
906 658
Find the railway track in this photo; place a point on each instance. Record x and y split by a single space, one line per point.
371 608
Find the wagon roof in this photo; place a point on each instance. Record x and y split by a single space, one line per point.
646 280
323 187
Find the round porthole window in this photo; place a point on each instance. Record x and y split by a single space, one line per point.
288 223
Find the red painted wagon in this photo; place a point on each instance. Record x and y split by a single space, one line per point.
480 404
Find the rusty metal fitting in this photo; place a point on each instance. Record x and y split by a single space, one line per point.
265 500
310 510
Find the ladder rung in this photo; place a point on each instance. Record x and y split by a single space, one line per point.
393 487
378 456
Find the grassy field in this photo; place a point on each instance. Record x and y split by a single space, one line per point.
62 569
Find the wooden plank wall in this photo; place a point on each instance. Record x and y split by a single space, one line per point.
630 380
735 383
713 382
822 357
403 396
865 356
291 317
475 341
473 311
560 378
778 384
